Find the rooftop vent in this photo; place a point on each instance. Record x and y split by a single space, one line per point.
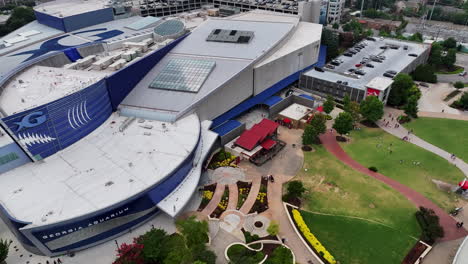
230 36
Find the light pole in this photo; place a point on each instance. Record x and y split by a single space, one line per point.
432 11
362 8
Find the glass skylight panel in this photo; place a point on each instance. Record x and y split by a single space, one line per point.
186 75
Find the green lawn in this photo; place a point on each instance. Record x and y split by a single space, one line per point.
371 147
354 241
337 189
447 134
456 71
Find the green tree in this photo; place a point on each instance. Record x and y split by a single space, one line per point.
199 262
281 255
400 87
449 59
200 253
346 102
336 26
153 242
414 91
462 103
459 85
314 129
4 248
425 73
450 43
411 108
273 228
353 110
343 123
296 189
19 17
179 256
331 40
435 58
194 232
372 108
417 37
329 104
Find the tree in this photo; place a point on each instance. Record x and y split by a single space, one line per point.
449 43
199 262
336 26
273 228
343 123
296 188
330 39
329 104
417 37
372 108
153 242
450 59
353 110
435 58
411 108
281 255
19 17
204 255
400 87
459 85
314 129
425 73
346 102
461 103
4 248
194 232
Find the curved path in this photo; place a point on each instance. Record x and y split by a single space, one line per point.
402 131
218 194
448 223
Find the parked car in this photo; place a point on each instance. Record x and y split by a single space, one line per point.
358 65
412 55
360 72
336 63
352 52
369 65
352 70
319 69
383 47
347 54
391 72
329 66
371 38
405 47
388 75
462 73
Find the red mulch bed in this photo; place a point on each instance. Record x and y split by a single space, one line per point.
414 253
204 202
258 206
268 248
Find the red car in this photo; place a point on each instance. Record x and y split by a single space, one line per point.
358 65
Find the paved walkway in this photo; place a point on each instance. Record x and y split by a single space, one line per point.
443 252
251 198
233 194
218 194
443 115
448 223
401 131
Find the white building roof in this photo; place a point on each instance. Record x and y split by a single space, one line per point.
379 83
295 111
65 8
26 90
104 168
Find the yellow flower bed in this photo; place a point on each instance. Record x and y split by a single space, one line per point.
223 204
207 195
226 162
319 248
261 197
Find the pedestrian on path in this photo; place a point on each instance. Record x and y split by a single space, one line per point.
459 224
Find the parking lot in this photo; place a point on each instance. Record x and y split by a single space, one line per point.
395 60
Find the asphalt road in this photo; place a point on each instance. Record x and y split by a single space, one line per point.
462 60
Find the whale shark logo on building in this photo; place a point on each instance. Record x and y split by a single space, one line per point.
31 120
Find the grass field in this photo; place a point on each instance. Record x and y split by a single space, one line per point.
335 188
447 134
404 162
355 241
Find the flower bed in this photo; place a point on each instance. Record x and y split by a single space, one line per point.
415 253
222 159
261 202
311 239
207 195
222 204
243 189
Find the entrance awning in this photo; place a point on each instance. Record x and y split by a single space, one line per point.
268 144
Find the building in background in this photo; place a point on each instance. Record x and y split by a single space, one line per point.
335 10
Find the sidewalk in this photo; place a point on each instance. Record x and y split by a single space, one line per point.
402 131
448 223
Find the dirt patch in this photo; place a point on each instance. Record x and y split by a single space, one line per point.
371 205
444 186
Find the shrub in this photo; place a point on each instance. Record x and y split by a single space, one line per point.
372 168
430 226
425 73
273 228
311 239
281 255
306 148
459 85
4 248
403 119
250 238
239 254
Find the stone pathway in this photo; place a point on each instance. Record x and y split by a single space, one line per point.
218 194
402 131
443 252
447 222
252 197
233 196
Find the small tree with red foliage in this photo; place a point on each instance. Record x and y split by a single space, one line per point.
130 254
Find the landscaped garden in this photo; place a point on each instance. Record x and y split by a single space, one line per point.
405 163
336 189
207 195
447 134
277 254
222 205
261 202
244 189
